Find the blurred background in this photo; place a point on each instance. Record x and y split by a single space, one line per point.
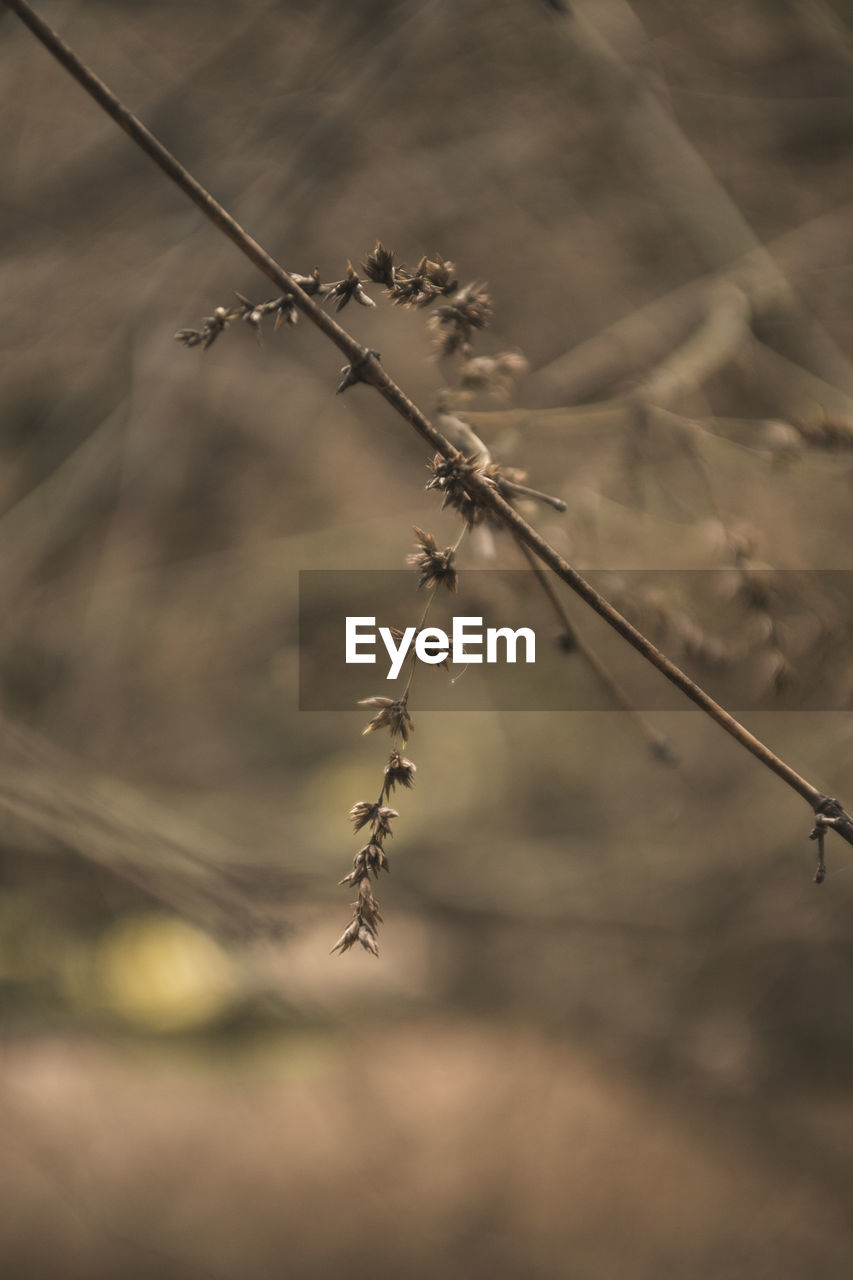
610 1028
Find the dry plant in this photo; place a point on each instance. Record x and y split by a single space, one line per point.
461 313
436 568
745 299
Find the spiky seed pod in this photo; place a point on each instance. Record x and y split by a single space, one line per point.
453 476
399 772
436 567
347 289
391 715
455 323
378 266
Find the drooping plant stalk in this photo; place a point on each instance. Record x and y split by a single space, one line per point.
461 479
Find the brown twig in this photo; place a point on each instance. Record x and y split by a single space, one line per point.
573 642
479 489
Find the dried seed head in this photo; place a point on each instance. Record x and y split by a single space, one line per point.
452 476
368 861
367 906
367 938
382 819
379 266
361 813
348 288
191 337
391 715
493 375
436 567
418 288
412 291
285 313
439 274
379 816
362 928
376 859
454 324
348 938
210 330
399 772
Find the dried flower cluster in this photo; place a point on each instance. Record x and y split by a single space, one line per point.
391 715
282 308
452 477
378 817
464 311
455 323
437 568
494 376
429 280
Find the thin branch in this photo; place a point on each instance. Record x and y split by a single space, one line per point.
574 642
480 488
709 348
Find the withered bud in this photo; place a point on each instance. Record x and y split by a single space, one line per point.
367 906
348 288
211 328
252 313
412 290
436 567
285 312
367 938
368 861
399 772
391 715
348 938
382 819
453 476
455 322
308 284
360 929
493 374
439 274
362 813
192 337
376 859
379 266
379 816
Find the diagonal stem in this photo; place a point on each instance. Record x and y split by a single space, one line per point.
657 743
370 370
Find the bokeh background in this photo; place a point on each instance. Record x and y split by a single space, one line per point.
610 1028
